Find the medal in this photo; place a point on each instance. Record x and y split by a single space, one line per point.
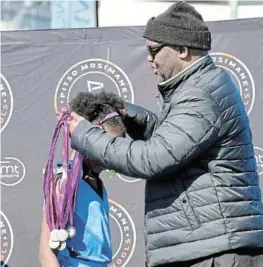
53 244
62 235
54 235
71 231
62 246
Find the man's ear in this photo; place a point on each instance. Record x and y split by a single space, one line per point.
183 52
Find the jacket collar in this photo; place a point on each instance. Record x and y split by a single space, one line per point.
167 87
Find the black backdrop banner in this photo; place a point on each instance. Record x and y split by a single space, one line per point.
43 70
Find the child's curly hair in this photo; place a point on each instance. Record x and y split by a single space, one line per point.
96 106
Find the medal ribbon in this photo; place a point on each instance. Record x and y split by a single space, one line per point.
60 194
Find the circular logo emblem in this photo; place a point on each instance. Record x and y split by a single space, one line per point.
123 233
127 178
12 171
6 102
7 239
92 75
259 159
240 75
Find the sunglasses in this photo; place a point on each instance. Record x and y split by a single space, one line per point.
154 50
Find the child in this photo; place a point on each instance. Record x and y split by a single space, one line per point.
91 246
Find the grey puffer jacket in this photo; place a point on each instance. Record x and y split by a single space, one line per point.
202 192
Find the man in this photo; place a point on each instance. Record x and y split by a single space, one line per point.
91 246
202 200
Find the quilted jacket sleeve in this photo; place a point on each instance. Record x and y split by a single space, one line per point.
140 122
191 127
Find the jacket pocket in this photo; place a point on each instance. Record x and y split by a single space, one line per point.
189 212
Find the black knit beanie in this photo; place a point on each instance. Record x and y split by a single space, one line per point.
179 25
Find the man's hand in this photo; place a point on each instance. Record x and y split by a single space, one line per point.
76 119
73 123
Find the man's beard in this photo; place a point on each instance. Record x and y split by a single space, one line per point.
169 73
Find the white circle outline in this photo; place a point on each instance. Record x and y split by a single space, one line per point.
12 238
128 181
11 102
96 72
92 60
112 202
123 179
120 245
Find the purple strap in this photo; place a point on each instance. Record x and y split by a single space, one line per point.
76 166
60 205
110 115
66 177
48 180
